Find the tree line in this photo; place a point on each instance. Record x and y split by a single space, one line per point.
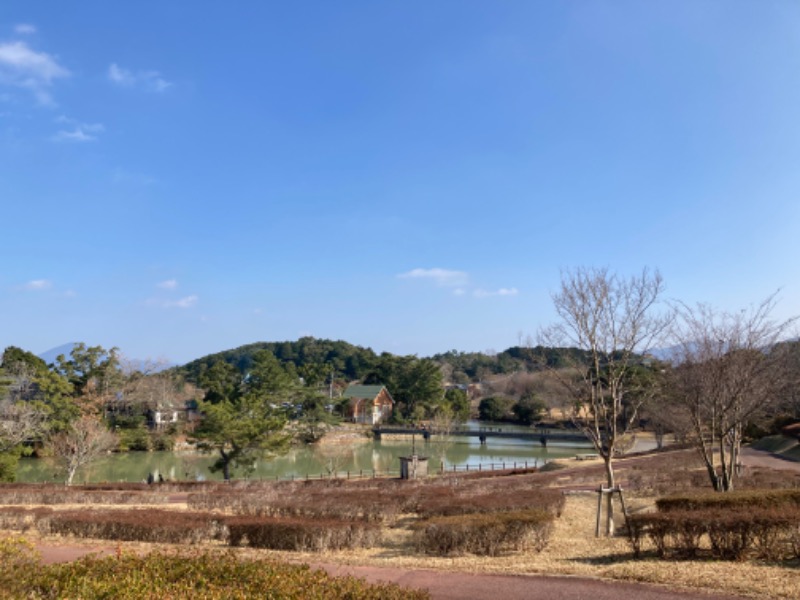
724 375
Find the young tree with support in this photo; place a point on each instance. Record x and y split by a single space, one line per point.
613 321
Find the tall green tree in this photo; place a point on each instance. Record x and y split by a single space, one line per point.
248 425
415 384
457 402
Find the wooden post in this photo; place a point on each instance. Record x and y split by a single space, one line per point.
599 510
624 510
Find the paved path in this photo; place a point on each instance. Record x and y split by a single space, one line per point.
469 586
760 458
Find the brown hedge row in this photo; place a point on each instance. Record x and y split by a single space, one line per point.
379 502
728 534
484 534
16 518
744 499
171 527
304 535
547 500
50 495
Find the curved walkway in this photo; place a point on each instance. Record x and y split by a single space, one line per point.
471 586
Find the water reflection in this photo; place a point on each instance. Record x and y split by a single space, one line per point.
358 459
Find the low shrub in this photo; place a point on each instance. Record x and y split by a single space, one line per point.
745 499
488 501
60 494
171 527
16 518
207 576
727 534
303 535
484 534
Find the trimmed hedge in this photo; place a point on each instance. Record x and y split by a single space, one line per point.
379 502
50 495
303 535
16 518
727 534
547 500
484 534
171 527
745 499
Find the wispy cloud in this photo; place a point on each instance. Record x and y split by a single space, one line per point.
187 302
22 67
481 293
441 277
24 29
169 284
76 131
37 285
125 177
150 81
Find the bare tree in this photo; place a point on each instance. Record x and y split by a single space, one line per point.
613 321
728 368
333 457
19 422
86 439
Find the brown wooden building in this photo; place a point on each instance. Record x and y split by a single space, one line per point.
368 404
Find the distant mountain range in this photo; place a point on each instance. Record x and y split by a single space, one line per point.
50 356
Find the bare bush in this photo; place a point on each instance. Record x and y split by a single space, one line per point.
301 535
484 534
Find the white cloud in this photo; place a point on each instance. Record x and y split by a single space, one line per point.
25 29
37 285
441 277
187 302
169 284
459 292
481 293
150 81
76 135
22 67
77 132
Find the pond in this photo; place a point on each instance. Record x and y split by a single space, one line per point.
357 459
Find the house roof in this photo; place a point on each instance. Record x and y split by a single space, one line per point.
364 391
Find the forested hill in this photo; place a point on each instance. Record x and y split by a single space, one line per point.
344 359
316 359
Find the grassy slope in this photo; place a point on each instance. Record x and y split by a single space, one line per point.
782 445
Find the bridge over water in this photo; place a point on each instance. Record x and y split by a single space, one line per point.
540 434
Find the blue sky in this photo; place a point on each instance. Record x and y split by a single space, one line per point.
179 178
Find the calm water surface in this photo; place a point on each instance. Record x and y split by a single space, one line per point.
361 458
